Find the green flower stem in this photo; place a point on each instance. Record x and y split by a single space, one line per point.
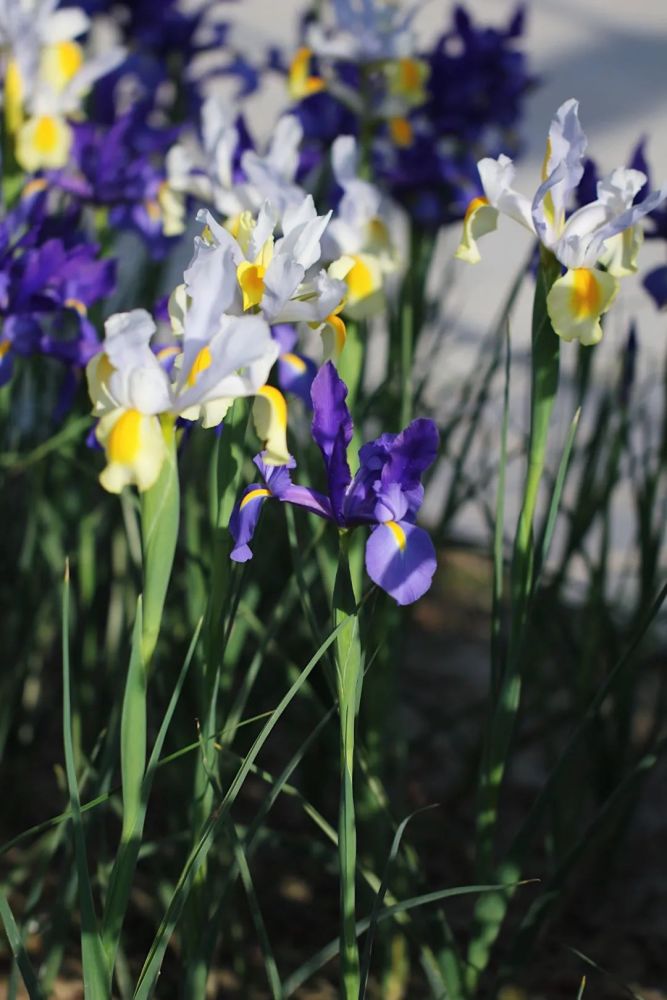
226 479
349 675
490 910
544 386
160 511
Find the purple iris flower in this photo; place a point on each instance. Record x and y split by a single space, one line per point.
49 276
385 494
121 167
295 371
655 282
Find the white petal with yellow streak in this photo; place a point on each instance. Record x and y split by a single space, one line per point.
480 219
269 414
43 143
576 302
135 449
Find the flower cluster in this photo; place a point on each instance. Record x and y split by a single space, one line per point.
47 73
422 115
596 245
50 275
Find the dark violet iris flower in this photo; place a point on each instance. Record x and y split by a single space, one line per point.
384 495
121 167
49 277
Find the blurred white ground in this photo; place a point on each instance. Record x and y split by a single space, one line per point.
612 56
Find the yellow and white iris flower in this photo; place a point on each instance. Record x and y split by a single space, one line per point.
596 244
279 279
137 399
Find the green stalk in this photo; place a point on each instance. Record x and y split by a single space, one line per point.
160 511
491 908
544 386
229 463
349 674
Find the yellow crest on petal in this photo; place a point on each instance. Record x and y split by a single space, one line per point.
401 132
261 491
300 81
199 365
60 62
135 448
585 295
398 533
124 439
43 143
407 79
251 281
577 300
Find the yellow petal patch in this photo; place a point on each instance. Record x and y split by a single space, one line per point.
4 347
585 296
199 365
77 305
251 280
301 83
13 97
124 442
35 186
360 280
401 132
135 449
269 414
60 62
407 78
480 218
397 532
297 363
43 142
576 302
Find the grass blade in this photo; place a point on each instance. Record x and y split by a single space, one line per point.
95 975
18 950
305 971
198 854
379 899
122 873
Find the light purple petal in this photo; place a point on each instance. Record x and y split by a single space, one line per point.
401 559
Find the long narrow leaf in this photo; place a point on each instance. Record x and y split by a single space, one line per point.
18 950
305 971
93 959
379 899
151 969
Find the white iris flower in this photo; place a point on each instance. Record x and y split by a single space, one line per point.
596 244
